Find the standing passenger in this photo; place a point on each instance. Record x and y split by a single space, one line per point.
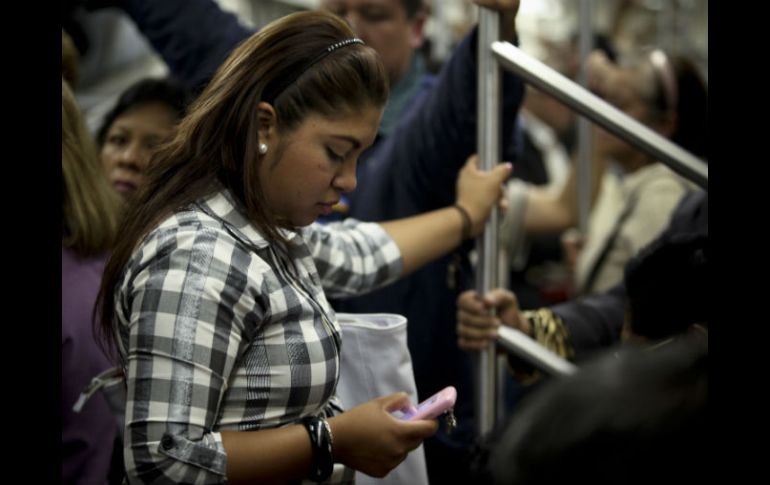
216 291
90 211
427 132
144 116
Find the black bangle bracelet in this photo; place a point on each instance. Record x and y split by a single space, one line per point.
466 231
321 443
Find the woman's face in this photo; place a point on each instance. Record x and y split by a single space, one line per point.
130 141
304 172
627 89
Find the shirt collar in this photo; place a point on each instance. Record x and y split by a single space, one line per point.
223 206
402 93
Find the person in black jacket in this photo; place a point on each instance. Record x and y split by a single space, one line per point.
635 416
578 328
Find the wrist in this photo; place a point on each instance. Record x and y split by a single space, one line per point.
525 325
336 426
467 222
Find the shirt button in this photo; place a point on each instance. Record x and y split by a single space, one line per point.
167 442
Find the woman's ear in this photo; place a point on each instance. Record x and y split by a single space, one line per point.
266 122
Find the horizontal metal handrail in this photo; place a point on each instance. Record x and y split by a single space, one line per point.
588 104
526 348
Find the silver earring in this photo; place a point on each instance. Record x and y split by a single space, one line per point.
262 148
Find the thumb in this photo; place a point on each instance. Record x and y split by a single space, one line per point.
502 171
497 296
397 401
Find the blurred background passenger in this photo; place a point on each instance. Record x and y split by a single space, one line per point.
90 213
144 116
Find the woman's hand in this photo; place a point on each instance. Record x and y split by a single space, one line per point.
478 191
370 439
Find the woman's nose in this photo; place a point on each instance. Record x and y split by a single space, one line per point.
131 157
345 180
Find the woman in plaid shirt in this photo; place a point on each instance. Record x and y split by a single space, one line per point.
216 293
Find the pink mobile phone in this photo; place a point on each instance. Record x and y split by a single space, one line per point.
434 406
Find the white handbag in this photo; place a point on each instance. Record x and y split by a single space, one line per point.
375 362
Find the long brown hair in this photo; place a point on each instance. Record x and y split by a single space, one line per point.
218 139
90 208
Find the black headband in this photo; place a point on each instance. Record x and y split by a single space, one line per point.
271 92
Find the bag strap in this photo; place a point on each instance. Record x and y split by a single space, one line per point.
608 244
110 377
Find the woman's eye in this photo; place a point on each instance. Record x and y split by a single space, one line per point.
374 16
333 156
119 140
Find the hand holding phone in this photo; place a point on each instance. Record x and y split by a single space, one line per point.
434 406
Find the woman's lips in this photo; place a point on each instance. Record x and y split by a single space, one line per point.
327 208
124 187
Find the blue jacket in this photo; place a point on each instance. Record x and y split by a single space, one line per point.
193 37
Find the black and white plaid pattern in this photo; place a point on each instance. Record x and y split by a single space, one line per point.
223 330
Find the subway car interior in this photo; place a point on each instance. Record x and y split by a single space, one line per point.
396 242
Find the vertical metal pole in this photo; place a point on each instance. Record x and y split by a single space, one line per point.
661 34
583 178
501 409
665 26
678 25
489 150
503 281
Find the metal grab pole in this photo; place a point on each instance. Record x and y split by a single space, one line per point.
584 102
525 347
585 142
489 151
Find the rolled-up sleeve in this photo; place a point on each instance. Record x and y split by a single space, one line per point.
188 310
353 257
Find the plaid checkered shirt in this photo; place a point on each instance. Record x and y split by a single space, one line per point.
224 330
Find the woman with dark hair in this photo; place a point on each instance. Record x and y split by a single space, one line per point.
216 291
143 117
666 94
669 96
